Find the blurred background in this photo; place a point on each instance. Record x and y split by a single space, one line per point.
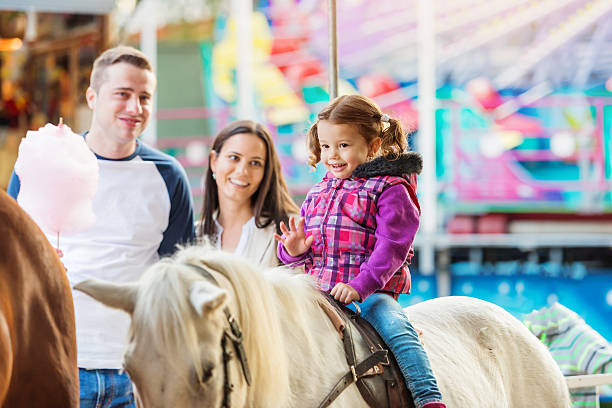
510 102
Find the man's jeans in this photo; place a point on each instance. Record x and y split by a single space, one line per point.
386 316
105 388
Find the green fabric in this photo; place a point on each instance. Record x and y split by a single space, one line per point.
575 346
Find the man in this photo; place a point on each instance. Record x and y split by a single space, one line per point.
143 209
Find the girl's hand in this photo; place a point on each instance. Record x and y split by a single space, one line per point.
344 293
294 239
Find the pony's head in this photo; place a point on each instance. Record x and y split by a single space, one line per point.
175 353
174 356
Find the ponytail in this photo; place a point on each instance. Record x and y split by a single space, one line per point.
393 139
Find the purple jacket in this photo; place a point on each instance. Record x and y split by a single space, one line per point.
363 227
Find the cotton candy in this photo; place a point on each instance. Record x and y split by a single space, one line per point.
59 178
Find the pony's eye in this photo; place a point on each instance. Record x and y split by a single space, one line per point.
207 373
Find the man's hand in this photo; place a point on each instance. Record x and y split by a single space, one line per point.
60 254
294 239
344 293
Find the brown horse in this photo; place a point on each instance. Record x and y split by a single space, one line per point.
37 335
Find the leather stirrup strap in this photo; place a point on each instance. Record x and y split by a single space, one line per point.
354 374
333 312
364 389
349 346
351 358
333 315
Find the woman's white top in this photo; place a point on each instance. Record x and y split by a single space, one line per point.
245 236
255 244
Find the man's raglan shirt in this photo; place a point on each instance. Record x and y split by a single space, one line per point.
143 208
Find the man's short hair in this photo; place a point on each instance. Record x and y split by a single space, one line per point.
113 56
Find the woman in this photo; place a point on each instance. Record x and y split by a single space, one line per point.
245 195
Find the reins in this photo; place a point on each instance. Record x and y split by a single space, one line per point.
232 333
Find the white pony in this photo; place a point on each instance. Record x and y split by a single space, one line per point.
480 354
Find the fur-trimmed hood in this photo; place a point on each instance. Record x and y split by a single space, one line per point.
406 163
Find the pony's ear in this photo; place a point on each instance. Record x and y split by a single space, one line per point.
118 296
206 297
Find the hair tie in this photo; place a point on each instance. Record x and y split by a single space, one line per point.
384 118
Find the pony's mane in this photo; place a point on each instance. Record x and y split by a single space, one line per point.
263 299
164 309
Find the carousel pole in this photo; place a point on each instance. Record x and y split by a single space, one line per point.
333 50
242 11
427 133
148 45
427 145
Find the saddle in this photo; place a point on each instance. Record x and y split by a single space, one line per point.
378 376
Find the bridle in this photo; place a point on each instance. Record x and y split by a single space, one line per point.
232 333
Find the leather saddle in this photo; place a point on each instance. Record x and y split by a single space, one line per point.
377 376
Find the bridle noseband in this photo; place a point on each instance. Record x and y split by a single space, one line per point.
233 334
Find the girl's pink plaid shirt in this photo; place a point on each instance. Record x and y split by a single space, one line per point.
342 216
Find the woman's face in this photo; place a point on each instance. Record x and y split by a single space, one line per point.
239 167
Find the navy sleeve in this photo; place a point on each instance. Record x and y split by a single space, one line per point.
180 228
14 185
180 222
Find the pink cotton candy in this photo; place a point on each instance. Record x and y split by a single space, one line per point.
59 178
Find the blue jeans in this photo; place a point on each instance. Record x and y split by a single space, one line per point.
386 315
105 388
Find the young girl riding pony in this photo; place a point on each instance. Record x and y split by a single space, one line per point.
358 224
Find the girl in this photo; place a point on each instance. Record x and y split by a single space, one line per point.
358 225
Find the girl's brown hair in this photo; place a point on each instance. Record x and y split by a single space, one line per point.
369 122
271 202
